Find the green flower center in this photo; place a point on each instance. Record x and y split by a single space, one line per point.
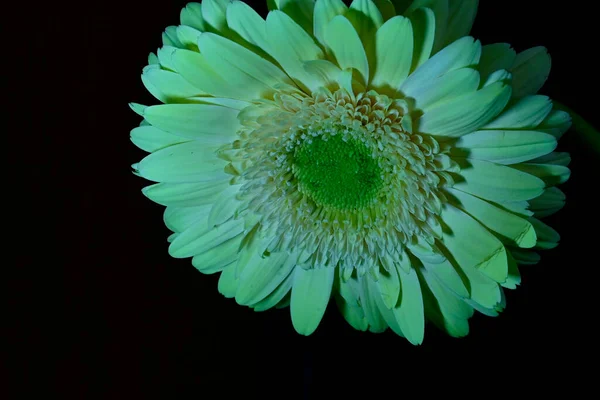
336 171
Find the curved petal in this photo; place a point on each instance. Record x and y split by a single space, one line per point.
150 139
495 57
325 11
460 20
346 46
530 71
393 51
191 15
185 194
528 112
423 24
311 291
445 87
262 275
219 257
243 20
201 237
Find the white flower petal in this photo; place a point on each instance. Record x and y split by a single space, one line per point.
167 86
323 71
556 123
446 274
225 207
409 311
465 114
446 87
495 57
169 37
213 13
188 37
179 219
423 24
310 295
504 147
244 21
150 139
496 182
181 163
262 275
228 282
219 257
441 10
344 42
369 296
191 15
510 227
185 194
530 71
325 11
388 286
277 296
301 11
462 53
460 20
206 123
528 112
393 50
291 46
365 17
201 237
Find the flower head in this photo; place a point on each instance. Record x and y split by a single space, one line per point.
373 154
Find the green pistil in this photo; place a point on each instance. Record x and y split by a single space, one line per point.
337 173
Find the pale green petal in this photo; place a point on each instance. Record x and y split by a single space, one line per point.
262 275
472 245
167 86
152 59
386 8
185 194
323 71
164 55
274 299
243 60
462 53
346 46
150 139
496 182
467 113
446 274
520 208
508 226
188 37
228 282
442 307
325 11
498 76
445 87
169 37
194 68
551 174
225 206
383 311
352 314
368 301
365 17
201 237
388 286
244 21
220 101
213 13
495 57
514 276
219 257
461 17
525 257
206 123
181 163
441 11
291 46
301 11
423 25
504 147
528 112
191 15
551 201
556 123
310 295
530 71
409 312
555 158
393 50
548 238
179 219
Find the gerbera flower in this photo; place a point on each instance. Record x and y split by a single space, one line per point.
373 154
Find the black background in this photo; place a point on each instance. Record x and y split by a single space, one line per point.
97 308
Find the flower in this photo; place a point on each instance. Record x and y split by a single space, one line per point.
387 161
